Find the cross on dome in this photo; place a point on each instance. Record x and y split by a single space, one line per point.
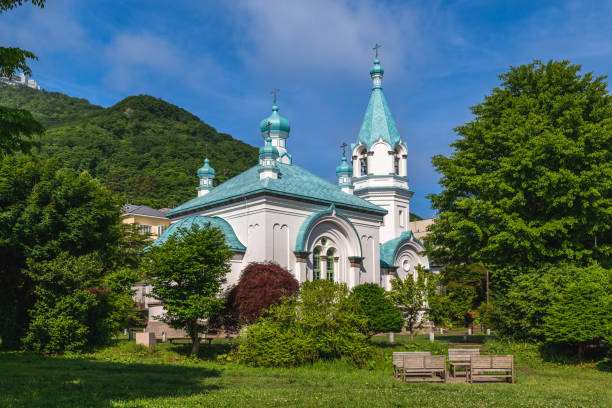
376 47
274 92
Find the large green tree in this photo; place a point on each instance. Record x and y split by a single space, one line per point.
44 212
530 178
187 272
17 126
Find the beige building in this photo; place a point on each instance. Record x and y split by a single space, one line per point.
419 228
149 220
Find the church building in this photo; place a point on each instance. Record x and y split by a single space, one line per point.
354 232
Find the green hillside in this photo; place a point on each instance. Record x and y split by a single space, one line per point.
143 148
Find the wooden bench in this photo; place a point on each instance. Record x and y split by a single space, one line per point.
461 358
398 360
424 368
491 368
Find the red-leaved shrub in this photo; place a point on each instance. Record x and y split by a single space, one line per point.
261 285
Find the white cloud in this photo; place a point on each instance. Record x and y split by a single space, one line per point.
43 31
315 37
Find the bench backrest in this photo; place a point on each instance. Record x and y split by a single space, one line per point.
492 362
424 361
462 355
398 356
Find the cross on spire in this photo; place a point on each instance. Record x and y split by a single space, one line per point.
376 47
274 92
343 146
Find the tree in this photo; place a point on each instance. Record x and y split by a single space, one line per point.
44 212
409 296
529 181
382 314
74 309
559 304
261 285
17 126
579 313
186 273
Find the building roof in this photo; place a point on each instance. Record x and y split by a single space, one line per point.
388 250
292 182
300 242
130 209
378 122
230 236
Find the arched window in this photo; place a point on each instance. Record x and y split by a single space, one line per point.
316 264
363 164
330 265
396 165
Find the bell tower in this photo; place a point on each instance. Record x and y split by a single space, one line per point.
379 161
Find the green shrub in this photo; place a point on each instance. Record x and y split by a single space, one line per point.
319 321
375 303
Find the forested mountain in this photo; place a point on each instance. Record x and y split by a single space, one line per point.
143 148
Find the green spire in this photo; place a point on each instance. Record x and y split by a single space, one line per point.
378 122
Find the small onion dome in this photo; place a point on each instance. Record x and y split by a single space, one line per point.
268 149
206 170
277 122
377 69
344 167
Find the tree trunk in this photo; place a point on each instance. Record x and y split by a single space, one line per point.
195 345
580 352
411 335
391 337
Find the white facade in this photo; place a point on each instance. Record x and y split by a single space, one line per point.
355 232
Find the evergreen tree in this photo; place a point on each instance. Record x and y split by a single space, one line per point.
382 314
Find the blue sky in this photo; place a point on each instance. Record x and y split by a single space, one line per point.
220 59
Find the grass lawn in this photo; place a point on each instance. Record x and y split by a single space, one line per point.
124 375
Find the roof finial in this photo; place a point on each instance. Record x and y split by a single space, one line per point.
343 146
274 92
376 47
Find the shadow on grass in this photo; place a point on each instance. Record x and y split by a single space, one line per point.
208 352
35 381
567 354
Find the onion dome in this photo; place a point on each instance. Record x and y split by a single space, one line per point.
276 122
344 167
377 69
206 170
268 150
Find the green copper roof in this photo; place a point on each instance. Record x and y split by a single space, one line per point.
377 69
277 122
206 170
378 122
230 236
268 149
300 242
388 250
292 181
344 167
